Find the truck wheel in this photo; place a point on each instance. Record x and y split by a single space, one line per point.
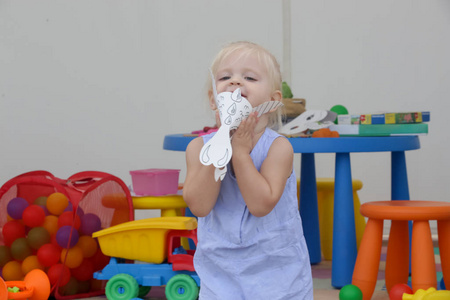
181 287
122 287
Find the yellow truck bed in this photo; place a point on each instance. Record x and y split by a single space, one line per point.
143 240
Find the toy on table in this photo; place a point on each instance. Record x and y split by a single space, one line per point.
35 286
233 108
152 242
309 120
350 292
429 294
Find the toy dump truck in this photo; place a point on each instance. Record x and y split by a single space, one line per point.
154 245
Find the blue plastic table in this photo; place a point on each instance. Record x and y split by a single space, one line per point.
344 236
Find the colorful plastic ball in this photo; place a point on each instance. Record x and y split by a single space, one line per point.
16 207
84 271
99 260
68 218
51 224
397 291
339 110
350 292
96 285
48 255
5 255
72 257
20 249
88 245
69 207
90 223
58 273
70 288
33 216
12 230
12 271
40 201
67 236
56 203
31 263
37 237
84 286
80 211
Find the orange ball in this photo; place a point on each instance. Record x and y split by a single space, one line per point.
51 224
31 263
12 271
57 203
88 245
72 257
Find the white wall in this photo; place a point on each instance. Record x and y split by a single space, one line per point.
95 85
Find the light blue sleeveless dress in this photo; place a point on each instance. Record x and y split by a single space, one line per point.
240 256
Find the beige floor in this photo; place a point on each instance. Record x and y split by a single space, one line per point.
318 295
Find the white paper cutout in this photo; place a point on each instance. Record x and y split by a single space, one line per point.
267 107
310 119
233 108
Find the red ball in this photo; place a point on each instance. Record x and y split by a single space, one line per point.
12 230
58 273
33 216
397 291
99 260
48 255
67 219
85 271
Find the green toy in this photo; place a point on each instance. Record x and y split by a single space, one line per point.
350 292
339 110
286 90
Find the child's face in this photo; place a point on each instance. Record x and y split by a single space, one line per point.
248 74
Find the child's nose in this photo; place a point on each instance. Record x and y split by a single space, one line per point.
236 80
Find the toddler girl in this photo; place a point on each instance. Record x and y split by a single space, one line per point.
250 236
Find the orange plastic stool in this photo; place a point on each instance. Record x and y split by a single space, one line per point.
423 267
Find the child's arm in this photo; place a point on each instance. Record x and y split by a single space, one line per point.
200 190
261 190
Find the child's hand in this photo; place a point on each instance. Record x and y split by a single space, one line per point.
242 139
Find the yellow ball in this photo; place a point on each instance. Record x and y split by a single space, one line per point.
57 203
88 245
51 224
31 263
12 271
72 257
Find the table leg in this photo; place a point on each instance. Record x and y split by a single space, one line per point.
399 176
308 207
344 233
399 184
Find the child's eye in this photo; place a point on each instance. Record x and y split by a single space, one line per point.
250 78
224 78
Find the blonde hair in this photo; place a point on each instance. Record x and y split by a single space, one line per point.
266 58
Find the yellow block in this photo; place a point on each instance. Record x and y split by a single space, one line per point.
325 199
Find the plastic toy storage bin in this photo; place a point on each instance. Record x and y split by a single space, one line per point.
155 182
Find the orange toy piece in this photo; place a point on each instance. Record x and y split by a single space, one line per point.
35 286
423 267
325 132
